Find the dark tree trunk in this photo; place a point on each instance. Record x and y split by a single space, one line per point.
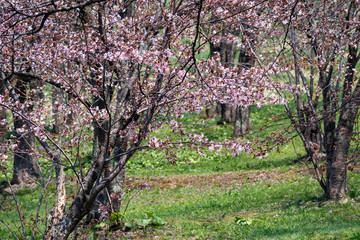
116 186
104 198
337 150
95 181
336 185
228 113
336 174
100 138
227 55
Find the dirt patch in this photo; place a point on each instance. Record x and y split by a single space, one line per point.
226 179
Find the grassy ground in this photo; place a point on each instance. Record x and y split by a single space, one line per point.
217 195
280 205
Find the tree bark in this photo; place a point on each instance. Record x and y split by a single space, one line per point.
87 195
213 111
228 113
242 121
336 174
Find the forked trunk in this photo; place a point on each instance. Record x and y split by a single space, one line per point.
84 200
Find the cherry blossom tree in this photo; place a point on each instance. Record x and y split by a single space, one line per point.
126 69
316 48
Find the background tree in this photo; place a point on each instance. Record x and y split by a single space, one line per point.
319 56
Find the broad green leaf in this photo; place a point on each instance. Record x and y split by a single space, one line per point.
143 222
129 224
158 221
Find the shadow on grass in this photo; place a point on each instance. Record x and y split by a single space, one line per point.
311 232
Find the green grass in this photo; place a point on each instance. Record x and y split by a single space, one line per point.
288 209
28 200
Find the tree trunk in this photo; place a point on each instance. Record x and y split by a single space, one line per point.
100 137
337 154
242 121
84 200
337 151
228 113
227 53
336 174
115 187
213 111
